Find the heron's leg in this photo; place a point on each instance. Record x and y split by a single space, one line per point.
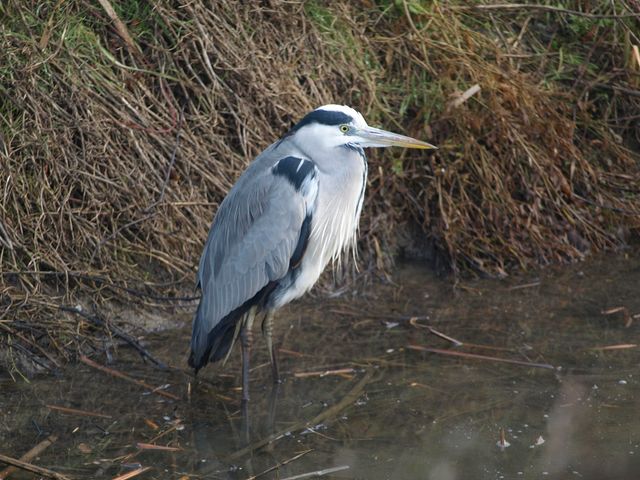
267 330
245 424
246 339
273 403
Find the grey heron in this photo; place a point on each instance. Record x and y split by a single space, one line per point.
293 210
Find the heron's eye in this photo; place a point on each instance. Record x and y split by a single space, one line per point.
344 128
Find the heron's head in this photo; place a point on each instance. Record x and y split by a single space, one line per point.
333 126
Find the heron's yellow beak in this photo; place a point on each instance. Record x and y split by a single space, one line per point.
375 137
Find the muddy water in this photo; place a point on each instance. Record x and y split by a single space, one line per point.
384 410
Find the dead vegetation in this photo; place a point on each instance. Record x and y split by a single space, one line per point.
122 128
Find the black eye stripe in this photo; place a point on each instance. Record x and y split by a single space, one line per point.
323 117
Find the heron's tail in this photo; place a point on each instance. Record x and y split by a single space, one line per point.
214 345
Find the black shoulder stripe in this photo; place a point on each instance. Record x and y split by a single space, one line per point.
294 169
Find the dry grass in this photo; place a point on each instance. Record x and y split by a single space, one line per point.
115 154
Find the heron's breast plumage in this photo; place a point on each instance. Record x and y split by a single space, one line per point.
334 224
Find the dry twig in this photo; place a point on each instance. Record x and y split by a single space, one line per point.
121 28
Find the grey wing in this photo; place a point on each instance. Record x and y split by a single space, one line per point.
250 244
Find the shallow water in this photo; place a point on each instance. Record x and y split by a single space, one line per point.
390 411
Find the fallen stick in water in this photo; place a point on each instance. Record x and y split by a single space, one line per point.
477 356
278 465
347 400
324 373
456 343
151 446
131 474
75 411
30 455
621 346
318 473
29 467
115 373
